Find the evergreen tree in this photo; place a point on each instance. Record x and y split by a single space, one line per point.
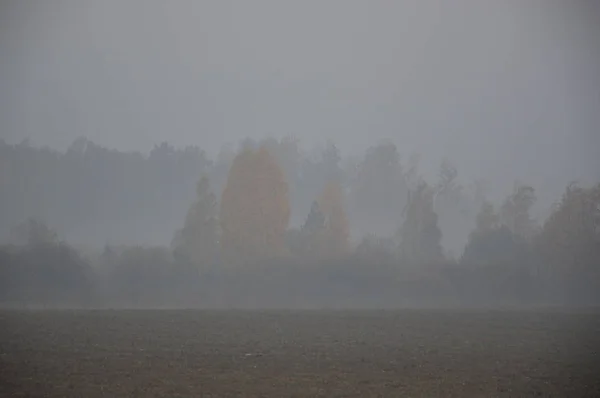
515 211
420 235
486 220
337 230
315 221
197 242
313 232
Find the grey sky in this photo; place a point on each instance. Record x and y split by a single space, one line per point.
507 89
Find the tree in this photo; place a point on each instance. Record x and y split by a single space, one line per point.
515 211
569 242
198 241
447 185
337 231
33 232
486 220
420 235
315 221
496 265
496 246
330 162
289 156
492 243
255 208
313 231
378 189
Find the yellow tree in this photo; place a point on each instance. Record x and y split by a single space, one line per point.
255 208
337 233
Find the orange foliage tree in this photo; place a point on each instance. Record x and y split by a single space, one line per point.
337 233
255 209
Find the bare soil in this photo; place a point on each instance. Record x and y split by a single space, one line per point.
408 353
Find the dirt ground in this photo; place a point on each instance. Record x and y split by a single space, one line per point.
405 353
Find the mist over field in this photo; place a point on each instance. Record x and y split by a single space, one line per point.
299 153
277 198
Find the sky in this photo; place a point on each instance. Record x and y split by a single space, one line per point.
506 89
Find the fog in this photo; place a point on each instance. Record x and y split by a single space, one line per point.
487 84
505 94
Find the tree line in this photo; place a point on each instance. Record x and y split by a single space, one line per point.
239 245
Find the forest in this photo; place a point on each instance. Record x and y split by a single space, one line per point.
268 224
